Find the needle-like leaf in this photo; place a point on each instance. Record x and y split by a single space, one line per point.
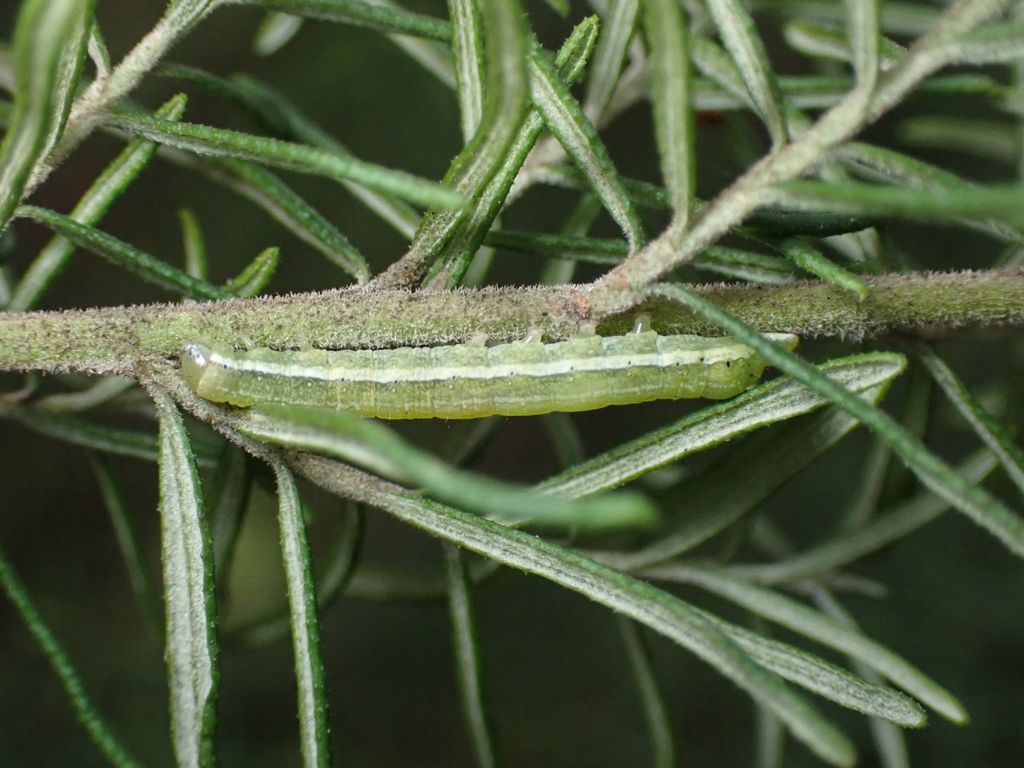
50 41
747 50
939 477
314 733
666 32
190 605
638 600
374 446
219 142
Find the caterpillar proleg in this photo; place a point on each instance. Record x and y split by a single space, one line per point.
468 381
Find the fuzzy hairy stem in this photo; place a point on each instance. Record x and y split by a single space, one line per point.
127 340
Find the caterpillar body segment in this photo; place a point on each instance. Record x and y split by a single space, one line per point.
465 381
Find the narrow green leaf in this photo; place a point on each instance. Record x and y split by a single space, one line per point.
1001 43
744 44
232 478
744 265
273 108
872 199
561 7
594 250
360 13
782 223
461 242
881 163
818 41
889 742
97 49
50 40
90 210
559 271
862 20
434 250
251 280
314 733
262 112
470 65
973 501
274 32
966 84
983 138
467 657
769 403
182 15
915 416
847 547
190 602
103 391
195 246
504 33
577 135
769 739
343 555
219 142
120 253
564 438
898 18
985 427
638 600
616 31
75 48
119 441
828 42
279 200
806 621
435 57
124 531
821 677
714 63
811 260
886 165
383 584
713 500
659 729
6 286
822 92
422 37
768 220
332 582
863 503
85 710
666 32
372 445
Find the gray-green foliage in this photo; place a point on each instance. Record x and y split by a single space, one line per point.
804 200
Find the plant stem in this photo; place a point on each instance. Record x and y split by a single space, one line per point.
127 340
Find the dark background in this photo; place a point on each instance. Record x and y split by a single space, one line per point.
556 673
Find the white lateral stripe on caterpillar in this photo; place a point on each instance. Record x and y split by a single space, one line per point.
470 381
285 364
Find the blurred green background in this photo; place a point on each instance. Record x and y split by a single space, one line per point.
556 672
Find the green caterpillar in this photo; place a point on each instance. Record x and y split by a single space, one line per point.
469 381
